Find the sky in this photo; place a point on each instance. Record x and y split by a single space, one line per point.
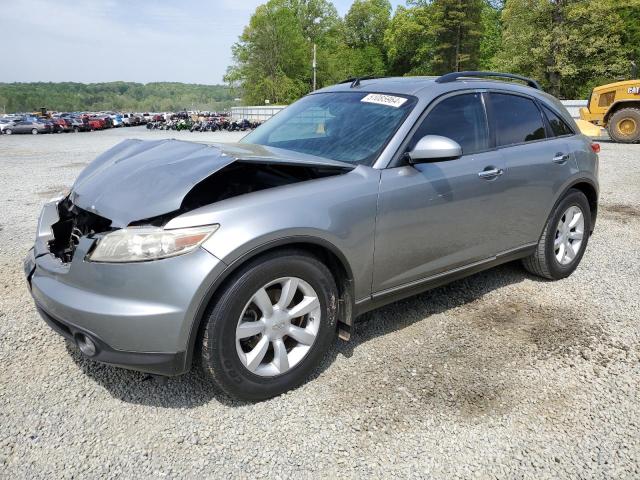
132 40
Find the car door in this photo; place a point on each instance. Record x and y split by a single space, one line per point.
21 127
437 216
538 164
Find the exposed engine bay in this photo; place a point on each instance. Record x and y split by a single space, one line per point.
235 179
74 223
241 178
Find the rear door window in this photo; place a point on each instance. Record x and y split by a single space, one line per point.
558 126
516 119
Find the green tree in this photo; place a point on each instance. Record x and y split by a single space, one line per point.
491 40
321 25
409 40
629 12
124 96
318 19
458 31
569 45
270 56
524 24
362 51
366 22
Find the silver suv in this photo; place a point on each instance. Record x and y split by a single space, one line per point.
248 258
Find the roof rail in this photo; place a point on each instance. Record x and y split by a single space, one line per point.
451 77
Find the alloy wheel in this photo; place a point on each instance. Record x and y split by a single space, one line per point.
569 235
627 126
278 326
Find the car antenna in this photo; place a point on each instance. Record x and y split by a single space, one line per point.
355 81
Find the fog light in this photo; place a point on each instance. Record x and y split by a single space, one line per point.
86 345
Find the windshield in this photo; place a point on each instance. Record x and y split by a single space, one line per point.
349 127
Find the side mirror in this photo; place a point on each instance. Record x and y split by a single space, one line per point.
433 148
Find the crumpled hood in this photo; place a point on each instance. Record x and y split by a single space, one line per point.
139 179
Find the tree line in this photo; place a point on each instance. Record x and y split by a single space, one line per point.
568 45
118 96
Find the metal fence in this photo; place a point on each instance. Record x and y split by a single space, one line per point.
574 106
259 113
262 113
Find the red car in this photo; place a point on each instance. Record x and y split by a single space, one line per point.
62 124
96 123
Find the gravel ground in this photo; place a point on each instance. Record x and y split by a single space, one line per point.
500 375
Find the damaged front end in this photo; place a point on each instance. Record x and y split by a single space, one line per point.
143 185
138 182
73 224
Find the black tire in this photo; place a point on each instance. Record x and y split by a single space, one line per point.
624 125
8 131
218 354
543 262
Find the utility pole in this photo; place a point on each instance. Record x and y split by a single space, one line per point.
315 66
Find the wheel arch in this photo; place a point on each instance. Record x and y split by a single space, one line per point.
620 105
328 253
590 191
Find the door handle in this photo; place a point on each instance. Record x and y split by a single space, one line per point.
561 158
490 173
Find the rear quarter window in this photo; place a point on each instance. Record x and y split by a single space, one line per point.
558 126
516 119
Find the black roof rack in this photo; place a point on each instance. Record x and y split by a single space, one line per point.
451 77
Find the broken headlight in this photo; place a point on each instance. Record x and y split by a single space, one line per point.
139 244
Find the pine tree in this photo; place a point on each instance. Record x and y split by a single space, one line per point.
457 31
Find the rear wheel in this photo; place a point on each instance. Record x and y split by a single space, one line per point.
624 125
270 326
34 131
563 240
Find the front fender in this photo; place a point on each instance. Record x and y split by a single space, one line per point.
339 211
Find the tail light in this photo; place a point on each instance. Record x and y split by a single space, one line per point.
595 147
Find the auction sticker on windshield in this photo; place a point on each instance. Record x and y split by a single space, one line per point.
388 100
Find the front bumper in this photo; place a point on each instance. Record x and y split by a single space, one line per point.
587 116
138 315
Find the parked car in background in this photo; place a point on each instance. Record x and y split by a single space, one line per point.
61 124
6 122
79 125
30 125
128 119
95 123
116 120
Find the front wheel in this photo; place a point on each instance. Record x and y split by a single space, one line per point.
34 131
564 238
270 326
8 131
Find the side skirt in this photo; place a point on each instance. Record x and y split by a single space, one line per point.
401 292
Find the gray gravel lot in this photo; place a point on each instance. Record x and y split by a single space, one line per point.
500 375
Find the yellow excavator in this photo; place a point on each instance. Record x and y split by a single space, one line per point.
616 107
